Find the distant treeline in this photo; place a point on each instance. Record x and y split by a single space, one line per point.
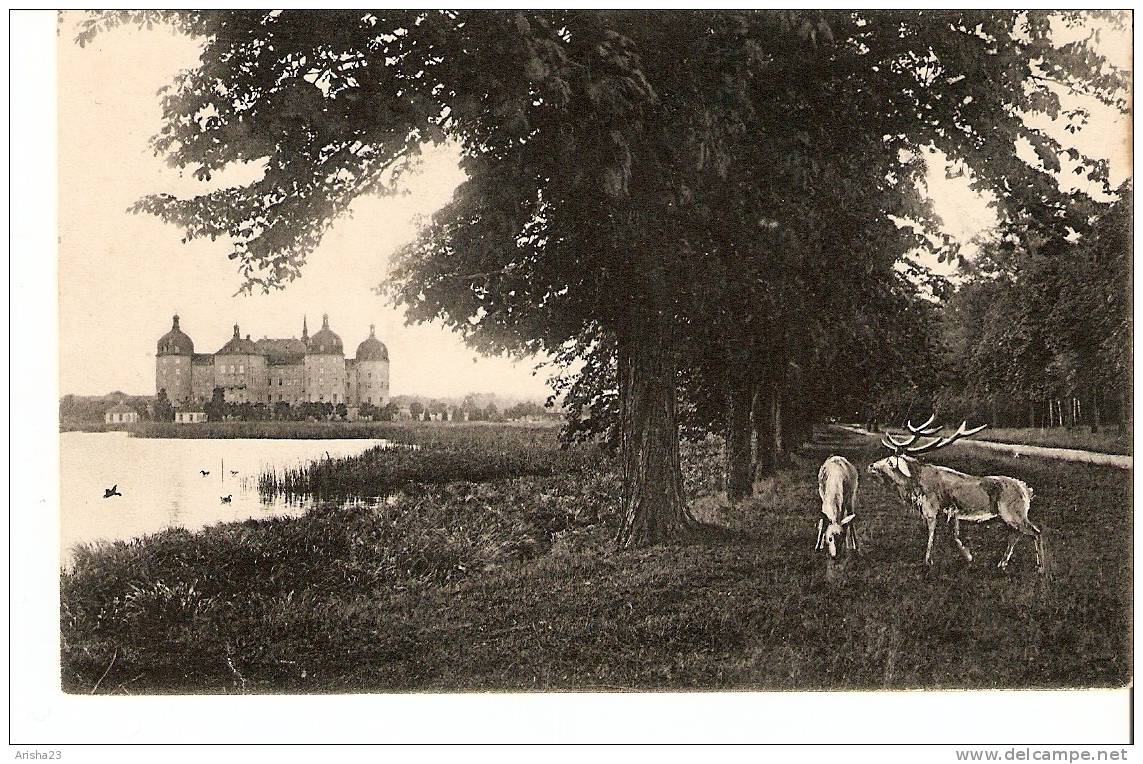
1037 335
90 409
79 410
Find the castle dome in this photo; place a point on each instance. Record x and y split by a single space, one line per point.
175 342
239 346
324 341
372 349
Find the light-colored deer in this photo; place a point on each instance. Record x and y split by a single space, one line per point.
837 485
932 489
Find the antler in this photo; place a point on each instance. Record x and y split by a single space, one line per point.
898 445
936 443
925 430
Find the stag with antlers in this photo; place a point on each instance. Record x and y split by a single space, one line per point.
932 489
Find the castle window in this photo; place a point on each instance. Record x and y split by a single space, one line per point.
241 369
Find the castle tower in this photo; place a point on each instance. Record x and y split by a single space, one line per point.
173 356
240 370
325 366
372 371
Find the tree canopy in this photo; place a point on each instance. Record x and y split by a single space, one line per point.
641 186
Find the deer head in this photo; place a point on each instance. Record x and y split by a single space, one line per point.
828 531
906 449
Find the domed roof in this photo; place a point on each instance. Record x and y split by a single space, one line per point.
324 340
239 346
175 342
372 349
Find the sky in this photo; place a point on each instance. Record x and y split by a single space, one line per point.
121 276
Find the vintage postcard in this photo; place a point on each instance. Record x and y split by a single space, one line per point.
599 351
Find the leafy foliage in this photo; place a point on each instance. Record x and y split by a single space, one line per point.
1047 318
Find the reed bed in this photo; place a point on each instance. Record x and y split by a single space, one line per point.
438 458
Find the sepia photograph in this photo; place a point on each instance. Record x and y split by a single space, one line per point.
781 354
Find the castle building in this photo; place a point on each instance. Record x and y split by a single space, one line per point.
272 370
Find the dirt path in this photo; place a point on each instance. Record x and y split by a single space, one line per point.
1018 450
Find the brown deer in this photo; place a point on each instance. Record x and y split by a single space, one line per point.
932 489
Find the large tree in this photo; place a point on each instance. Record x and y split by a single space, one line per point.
606 153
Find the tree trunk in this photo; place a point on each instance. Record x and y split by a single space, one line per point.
764 430
654 508
995 414
1095 423
795 423
777 416
739 401
1031 414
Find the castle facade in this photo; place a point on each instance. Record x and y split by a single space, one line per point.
269 370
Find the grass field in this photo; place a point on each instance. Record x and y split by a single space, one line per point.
1108 440
512 583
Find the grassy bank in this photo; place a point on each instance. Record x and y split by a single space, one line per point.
413 432
96 427
512 583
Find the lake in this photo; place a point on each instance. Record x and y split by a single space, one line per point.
163 486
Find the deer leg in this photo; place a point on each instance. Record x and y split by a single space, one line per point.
960 544
1013 537
932 521
1028 529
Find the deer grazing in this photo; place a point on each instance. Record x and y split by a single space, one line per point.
837 485
932 489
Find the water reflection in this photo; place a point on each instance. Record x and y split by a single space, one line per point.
163 484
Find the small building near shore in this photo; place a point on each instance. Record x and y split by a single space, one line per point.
189 416
121 414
